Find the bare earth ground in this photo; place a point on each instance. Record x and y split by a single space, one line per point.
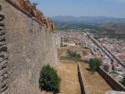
69 75
96 84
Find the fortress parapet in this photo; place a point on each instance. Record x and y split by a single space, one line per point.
37 14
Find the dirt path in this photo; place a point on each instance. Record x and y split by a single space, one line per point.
96 84
69 74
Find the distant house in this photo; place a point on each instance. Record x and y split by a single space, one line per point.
69 43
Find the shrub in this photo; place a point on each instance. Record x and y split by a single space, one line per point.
94 64
49 80
83 53
123 82
64 45
78 56
68 53
73 54
106 68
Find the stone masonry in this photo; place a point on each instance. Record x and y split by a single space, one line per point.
25 46
3 57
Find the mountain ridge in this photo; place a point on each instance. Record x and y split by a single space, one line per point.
87 19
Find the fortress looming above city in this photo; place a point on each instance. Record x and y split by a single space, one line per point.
86 55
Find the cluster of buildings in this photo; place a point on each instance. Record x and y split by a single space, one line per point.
108 50
95 50
116 47
69 38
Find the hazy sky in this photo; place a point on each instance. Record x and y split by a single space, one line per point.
110 8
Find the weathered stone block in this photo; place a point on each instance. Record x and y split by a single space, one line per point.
2 43
1 24
2 32
4 88
4 77
2 72
2 37
3 48
1 27
1 78
3 64
1 59
3 84
5 92
5 55
1 54
1 17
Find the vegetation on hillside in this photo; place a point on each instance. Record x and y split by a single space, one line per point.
109 35
80 26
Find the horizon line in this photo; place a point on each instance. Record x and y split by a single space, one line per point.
85 16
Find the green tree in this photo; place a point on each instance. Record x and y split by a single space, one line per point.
94 64
123 82
73 54
49 80
83 53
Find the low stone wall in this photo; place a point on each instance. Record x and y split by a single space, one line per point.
84 89
3 58
111 81
71 59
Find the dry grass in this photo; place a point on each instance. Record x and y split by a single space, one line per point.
69 75
62 49
96 84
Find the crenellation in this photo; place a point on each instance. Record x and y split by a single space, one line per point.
31 9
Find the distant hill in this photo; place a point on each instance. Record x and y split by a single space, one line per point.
117 27
87 19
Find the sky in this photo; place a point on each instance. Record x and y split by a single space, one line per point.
108 8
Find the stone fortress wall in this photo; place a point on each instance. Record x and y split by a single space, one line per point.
25 46
3 56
